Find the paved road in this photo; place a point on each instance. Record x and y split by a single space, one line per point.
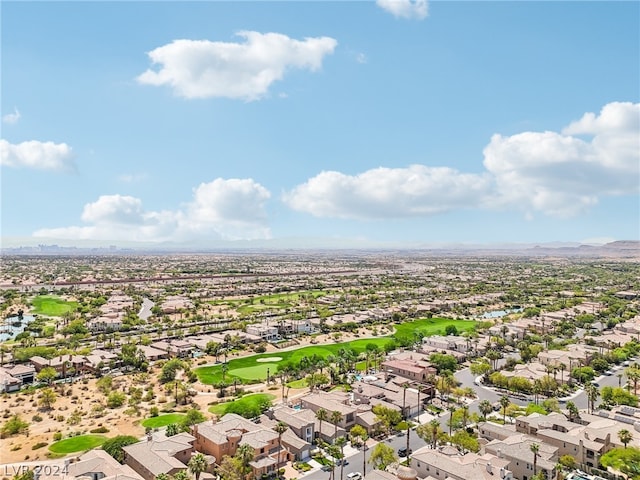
604 381
580 399
355 459
145 309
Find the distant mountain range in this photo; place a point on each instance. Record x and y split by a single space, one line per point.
622 249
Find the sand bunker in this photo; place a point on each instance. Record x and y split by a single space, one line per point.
269 359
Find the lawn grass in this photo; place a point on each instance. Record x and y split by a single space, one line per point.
80 443
162 420
432 326
248 401
52 306
249 369
302 383
262 302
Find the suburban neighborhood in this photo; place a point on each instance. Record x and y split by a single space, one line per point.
385 366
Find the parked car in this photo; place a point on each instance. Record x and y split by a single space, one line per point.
402 452
354 476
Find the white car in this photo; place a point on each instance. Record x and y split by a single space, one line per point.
354 476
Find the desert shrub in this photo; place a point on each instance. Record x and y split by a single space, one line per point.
57 436
116 399
38 445
14 426
99 430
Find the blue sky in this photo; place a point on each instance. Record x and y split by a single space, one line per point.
394 123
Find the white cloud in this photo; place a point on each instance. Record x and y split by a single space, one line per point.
418 9
235 206
114 210
561 174
388 193
361 58
222 209
558 174
37 155
206 69
12 118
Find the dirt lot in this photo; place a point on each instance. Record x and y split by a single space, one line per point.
83 397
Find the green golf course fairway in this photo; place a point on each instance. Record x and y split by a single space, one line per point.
257 371
249 368
254 367
52 306
248 401
80 443
163 420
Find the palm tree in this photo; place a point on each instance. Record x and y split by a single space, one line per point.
465 415
435 430
322 415
625 436
592 395
504 403
245 453
340 442
485 408
493 356
361 440
335 418
633 374
280 428
535 448
573 411
197 464
162 476
181 475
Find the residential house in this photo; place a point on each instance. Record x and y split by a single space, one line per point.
101 360
586 441
25 373
224 437
302 421
332 402
8 383
266 332
299 436
494 431
92 465
152 354
105 323
295 327
575 355
160 454
174 348
517 450
530 371
176 304
410 369
390 394
62 364
448 463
